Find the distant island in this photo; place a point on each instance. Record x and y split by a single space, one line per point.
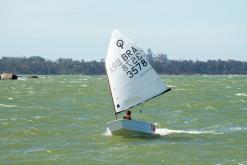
160 62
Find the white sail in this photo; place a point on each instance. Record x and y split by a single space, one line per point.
131 78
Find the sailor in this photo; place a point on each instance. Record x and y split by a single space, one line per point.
127 115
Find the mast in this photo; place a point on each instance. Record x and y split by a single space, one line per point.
109 87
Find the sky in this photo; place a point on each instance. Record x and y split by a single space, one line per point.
81 29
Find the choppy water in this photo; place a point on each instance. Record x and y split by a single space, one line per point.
60 120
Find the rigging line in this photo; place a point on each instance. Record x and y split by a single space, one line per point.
141 110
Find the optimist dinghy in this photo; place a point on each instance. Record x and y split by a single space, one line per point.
132 81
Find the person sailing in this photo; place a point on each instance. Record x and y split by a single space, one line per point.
127 115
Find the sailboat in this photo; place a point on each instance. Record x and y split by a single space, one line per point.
132 81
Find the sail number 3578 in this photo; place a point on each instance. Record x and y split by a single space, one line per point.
135 69
131 61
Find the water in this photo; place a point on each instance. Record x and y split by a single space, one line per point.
60 120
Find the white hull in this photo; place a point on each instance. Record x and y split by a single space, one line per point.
130 127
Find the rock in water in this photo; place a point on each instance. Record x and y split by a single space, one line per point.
33 77
8 76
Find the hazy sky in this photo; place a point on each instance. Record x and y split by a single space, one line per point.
81 29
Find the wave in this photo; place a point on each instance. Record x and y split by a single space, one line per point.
241 94
7 106
74 82
172 86
37 117
165 131
14 118
210 108
180 89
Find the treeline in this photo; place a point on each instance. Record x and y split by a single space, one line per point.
39 65
200 67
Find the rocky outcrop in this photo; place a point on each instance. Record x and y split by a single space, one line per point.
8 76
33 77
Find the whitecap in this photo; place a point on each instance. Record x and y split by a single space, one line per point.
237 101
22 79
84 85
14 118
3 139
34 150
171 86
241 94
202 81
7 106
186 122
210 108
37 117
180 89
74 81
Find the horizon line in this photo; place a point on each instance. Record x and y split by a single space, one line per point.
100 60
